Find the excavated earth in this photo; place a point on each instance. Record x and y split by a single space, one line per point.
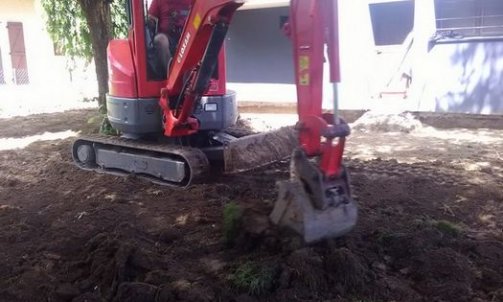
430 226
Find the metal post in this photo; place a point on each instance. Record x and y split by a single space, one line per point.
336 103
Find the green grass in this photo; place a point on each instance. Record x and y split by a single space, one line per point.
448 227
232 222
101 124
107 129
253 278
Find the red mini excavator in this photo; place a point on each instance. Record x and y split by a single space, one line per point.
175 126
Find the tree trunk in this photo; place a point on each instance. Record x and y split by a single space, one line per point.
99 19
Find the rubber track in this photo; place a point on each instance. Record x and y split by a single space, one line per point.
195 158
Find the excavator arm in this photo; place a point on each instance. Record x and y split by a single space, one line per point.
194 62
316 201
313 25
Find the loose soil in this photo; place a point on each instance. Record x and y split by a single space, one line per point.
430 226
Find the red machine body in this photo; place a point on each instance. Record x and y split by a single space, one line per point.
313 25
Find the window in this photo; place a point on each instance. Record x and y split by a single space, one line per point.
391 21
18 53
469 18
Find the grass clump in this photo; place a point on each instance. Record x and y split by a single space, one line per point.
99 123
253 278
232 222
107 129
448 227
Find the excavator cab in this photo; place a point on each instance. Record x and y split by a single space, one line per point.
137 79
155 70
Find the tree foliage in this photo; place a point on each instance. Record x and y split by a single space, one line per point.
119 19
68 27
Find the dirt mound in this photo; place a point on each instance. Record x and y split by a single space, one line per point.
378 122
108 263
444 274
306 267
346 271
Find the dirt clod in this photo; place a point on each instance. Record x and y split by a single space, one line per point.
67 292
89 297
346 269
245 298
307 269
169 235
444 273
158 277
135 292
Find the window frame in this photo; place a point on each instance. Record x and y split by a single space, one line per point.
449 32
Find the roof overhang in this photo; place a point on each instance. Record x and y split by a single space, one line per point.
386 1
258 4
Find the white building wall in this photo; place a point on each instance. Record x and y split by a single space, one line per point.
50 86
461 76
38 46
358 55
260 61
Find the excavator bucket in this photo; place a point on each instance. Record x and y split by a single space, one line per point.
257 150
294 210
315 208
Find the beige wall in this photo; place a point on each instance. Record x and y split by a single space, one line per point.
44 68
50 81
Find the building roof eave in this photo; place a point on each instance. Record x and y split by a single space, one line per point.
259 4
